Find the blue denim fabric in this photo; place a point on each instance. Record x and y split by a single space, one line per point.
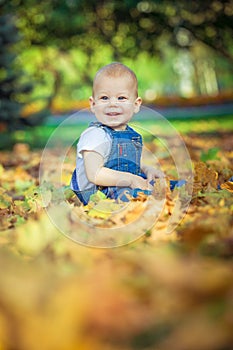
125 155
176 183
84 196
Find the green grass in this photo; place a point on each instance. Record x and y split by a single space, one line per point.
219 124
37 137
196 125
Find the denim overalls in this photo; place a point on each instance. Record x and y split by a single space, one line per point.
125 155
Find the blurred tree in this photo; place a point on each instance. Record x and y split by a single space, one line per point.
14 86
100 32
10 88
128 26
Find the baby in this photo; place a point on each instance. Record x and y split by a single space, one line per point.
109 150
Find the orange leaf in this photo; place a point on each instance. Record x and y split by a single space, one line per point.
227 186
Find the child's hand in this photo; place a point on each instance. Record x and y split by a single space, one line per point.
152 173
139 182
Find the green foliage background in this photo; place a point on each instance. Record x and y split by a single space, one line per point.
176 48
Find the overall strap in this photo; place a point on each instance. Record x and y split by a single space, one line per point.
126 148
124 134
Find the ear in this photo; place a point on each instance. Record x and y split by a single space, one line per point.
137 104
92 103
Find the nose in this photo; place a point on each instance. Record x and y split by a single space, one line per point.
112 101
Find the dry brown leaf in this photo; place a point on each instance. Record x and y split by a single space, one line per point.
203 176
227 186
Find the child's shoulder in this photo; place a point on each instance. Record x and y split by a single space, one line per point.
94 132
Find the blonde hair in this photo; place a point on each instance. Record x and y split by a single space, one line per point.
116 70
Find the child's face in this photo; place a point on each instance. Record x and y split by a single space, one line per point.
115 101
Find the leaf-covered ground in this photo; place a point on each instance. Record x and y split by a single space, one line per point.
163 291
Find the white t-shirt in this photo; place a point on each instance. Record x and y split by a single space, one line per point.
92 139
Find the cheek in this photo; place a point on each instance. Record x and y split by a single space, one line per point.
129 110
98 108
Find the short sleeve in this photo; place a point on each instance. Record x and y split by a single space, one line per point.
94 139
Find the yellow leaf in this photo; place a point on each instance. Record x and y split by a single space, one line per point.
227 186
96 197
104 209
32 237
45 198
5 200
1 170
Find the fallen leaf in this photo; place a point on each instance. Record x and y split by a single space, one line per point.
227 186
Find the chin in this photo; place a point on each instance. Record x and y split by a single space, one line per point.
113 126
112 123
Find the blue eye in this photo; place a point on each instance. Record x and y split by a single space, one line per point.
122 98
104 98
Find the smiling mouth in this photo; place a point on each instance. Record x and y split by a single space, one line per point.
113 114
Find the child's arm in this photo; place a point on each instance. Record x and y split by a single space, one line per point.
102 176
